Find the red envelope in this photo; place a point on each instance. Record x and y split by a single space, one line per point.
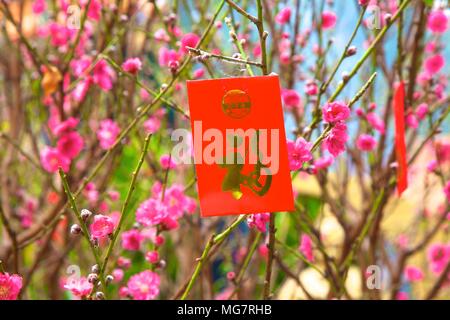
233 121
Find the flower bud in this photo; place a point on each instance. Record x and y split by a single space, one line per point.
75 229
109 278
100 295
351 51
92 277
85 214
95 268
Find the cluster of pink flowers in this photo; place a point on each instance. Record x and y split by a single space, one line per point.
335 113
258 221
10 286
68 147
299 152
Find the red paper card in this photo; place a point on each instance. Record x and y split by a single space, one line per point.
400 145
233 120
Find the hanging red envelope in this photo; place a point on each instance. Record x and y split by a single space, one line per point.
239 145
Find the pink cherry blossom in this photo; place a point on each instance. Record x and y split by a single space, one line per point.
95 9
291 99
421 111
132 65
299 152
258 221
151 212
438 256
132 240
10 286
375 121
189 40
401 295
447 191
118 275
336 139
335 111
152 256
167 162
411 121
306 247
366 142
311 89
323 162
70 145
437 21
39 6
152 124
434 64
103 75
328 20
102 226
144 285
413 274
52 159
79 287
283 16
65 126
107 133
166 56
123 262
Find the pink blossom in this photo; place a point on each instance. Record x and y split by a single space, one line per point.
167 162
413 274
39 6
299 152
258 221
152 256
402 241
151 212
79 287
70 145
102 226
291 98
434 64
437 21
421 111
411 121
10 286
166 56
335 141
311 89
161 35
132 240
199 73
59 34
144 285
447 190
124 292
401 295
65 126
103 75
306 247
123 262
363 2
118 275
323 162
283 16
432 165
375 121
335 111
189 40
107 133
95 9
328 20
438 256
52 159
366 142
152 124
132 65
114 195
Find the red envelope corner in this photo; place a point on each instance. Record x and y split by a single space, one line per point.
233 120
